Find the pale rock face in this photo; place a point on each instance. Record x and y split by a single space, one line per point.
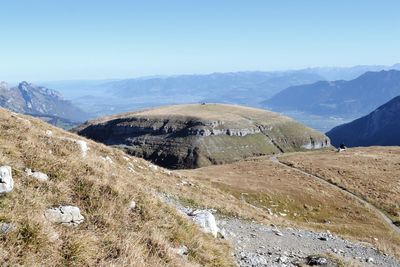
49 133
206 221
6 180
107 159
7 227
316 145
40 176
132 205
181 251
68 215
82 146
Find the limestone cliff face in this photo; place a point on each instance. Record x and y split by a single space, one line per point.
39 101
191 136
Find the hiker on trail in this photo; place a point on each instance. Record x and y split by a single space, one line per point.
342 148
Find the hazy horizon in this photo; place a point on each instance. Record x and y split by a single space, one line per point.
91 40
198 73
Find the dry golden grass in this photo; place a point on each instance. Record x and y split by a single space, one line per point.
229 113
233 116
111 235
307 202
371 173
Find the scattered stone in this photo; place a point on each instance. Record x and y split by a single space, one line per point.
40 176
68 215
181 251
153 167
222 233
370 260
6 180
184 183
282 259
252 259
107 159
6 228
130 169
49 133
277 232
132 205
316 261
83 147
206 221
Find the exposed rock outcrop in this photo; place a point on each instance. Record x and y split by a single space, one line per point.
41 102
206 221
67 215
190 136
40 176
6 180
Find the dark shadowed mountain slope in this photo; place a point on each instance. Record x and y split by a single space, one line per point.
340 98
39 101
381 127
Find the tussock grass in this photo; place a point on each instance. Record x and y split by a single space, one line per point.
111 235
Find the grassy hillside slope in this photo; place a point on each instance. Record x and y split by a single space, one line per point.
102 184
371 173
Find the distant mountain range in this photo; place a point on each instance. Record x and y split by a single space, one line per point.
339 98
380 127
245 88
40 102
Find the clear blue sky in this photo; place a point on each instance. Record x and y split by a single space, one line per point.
52 40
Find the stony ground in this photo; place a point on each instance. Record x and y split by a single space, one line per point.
258 245
261 245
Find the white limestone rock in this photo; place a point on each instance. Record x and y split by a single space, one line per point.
6 228
83 147
49 133
107 159
206 221
6 180
67 215
40 176
181 251
132 205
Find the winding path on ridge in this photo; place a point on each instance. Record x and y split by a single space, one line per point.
385 218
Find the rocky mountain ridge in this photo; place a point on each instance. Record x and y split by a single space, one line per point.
39 101
340 98
188 136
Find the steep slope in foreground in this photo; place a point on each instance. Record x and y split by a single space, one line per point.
101 182
380 128
190 136
39 101
340 98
